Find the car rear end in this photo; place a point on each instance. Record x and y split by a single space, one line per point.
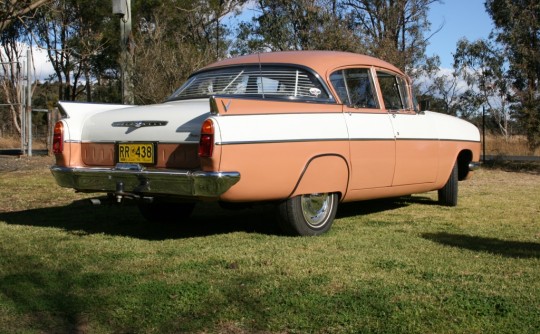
137 152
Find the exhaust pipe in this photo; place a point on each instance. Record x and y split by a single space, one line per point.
95 201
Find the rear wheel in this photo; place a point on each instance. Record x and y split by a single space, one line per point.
308 215
166 212
448 195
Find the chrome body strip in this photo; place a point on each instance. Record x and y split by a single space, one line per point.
474 166
142 181
139 124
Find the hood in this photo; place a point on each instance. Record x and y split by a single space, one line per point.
174 122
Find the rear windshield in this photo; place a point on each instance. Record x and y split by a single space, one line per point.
280 82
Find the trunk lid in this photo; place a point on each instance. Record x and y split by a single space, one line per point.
171 122
170 131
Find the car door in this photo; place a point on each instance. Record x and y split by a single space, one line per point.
417 144
372 144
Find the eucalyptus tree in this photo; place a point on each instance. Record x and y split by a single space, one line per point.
15 10
483 66
15 18
280 25
12 56
175 37
75 35
394 30
517 28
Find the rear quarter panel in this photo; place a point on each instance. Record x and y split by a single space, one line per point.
281 155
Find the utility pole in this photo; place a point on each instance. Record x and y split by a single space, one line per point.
122 10
29 99
23 107
483 133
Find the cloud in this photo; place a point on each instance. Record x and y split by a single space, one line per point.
43 68
424 82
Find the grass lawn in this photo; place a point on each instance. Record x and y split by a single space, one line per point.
394 266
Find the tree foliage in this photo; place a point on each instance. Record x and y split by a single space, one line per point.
11 59
518 30
14 14
281 25
483 66
74 34
14 10
174 38
393 30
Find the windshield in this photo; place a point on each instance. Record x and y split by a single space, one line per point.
265 81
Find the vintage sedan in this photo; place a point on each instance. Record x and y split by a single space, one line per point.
305 130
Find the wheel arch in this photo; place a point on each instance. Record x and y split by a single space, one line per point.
463 160
323 173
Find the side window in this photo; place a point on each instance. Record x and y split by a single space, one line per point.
404 92
394 91
355 87
338 81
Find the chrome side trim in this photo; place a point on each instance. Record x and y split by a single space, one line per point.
279 141
474 166
173 182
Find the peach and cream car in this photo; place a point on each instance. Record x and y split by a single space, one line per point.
305 130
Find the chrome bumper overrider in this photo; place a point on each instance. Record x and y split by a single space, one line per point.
138 180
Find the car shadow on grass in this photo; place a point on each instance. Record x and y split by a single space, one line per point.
351 209
83 218
506 248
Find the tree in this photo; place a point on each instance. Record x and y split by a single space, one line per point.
13 31
73 32
517 28
282 25
11 54
446 90
392 30
482 65
13 10
163 60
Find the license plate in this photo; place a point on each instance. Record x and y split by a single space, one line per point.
143 153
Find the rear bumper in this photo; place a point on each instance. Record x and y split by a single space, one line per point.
135 179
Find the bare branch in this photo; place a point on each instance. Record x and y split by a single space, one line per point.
14 11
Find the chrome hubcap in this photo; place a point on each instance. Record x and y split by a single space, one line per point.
315 208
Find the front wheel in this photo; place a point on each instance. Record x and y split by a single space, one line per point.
448 195
308 215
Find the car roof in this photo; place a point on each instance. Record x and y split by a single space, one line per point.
320 61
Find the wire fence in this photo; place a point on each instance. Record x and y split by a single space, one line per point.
38 131
41 135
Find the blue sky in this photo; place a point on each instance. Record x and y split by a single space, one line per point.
461 18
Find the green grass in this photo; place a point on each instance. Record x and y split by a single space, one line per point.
394 266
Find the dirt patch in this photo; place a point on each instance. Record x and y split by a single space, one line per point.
10 163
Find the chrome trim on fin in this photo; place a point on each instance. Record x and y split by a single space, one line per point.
138 124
